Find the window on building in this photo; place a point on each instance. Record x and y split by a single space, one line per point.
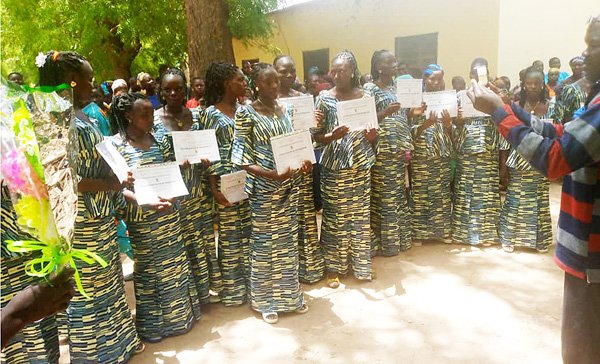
319 58
417 51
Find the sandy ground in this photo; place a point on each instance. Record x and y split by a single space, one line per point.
433 304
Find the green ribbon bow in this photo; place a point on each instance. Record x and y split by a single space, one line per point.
53 256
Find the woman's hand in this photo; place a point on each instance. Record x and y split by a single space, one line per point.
319 116
446 120
433 118
221 199
163 205
459 120
418 110
185 165
205 162
371 133
306 167
279 177
392 108
340 131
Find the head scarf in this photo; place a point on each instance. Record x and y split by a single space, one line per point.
431 68
141 76
118 83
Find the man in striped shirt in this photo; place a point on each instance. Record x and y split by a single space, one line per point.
572 151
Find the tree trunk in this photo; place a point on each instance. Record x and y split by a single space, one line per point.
209 38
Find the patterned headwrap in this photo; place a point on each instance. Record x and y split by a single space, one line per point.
431 68
141 76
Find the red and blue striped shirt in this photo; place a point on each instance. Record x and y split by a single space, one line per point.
572 151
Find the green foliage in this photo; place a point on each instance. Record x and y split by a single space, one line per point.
249 22
117 37
110 34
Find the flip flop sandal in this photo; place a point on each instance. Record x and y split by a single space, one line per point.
139 349
270 317
303 309
333 282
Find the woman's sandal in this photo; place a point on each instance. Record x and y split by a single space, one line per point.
270 317
139 349
333 282
303 309
508 248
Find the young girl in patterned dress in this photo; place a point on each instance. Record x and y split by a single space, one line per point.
481 153
225 83
525 220
100 330
312 261
431 173
346 178
274 283
390 220
196 208
166 298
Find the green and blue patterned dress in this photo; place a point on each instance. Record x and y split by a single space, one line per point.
234 222
431 177
477 201
568 101
312 259
100 330
274 260
525 219
195 214
37 343
390 217
166 297
346 190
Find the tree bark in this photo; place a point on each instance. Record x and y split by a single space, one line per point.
209 38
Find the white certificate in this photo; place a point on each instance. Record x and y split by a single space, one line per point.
409 92
114 159
195 145
304 111
232 186
153 180
469 111
291 150
438 101
358 113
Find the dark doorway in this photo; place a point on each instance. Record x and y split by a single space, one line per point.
319 58
417 51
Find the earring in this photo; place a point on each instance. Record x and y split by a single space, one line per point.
257 89
379 71
73 83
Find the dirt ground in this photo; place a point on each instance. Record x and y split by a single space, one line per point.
433 304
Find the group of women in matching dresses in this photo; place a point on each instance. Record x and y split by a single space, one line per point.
268 244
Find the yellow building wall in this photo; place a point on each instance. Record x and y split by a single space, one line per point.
541 29
467 29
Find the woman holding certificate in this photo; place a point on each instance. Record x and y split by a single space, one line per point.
100 329
480 152
431 175
224 84
166 298
274 284
196 208
390 220
525 219
347 158
312 261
